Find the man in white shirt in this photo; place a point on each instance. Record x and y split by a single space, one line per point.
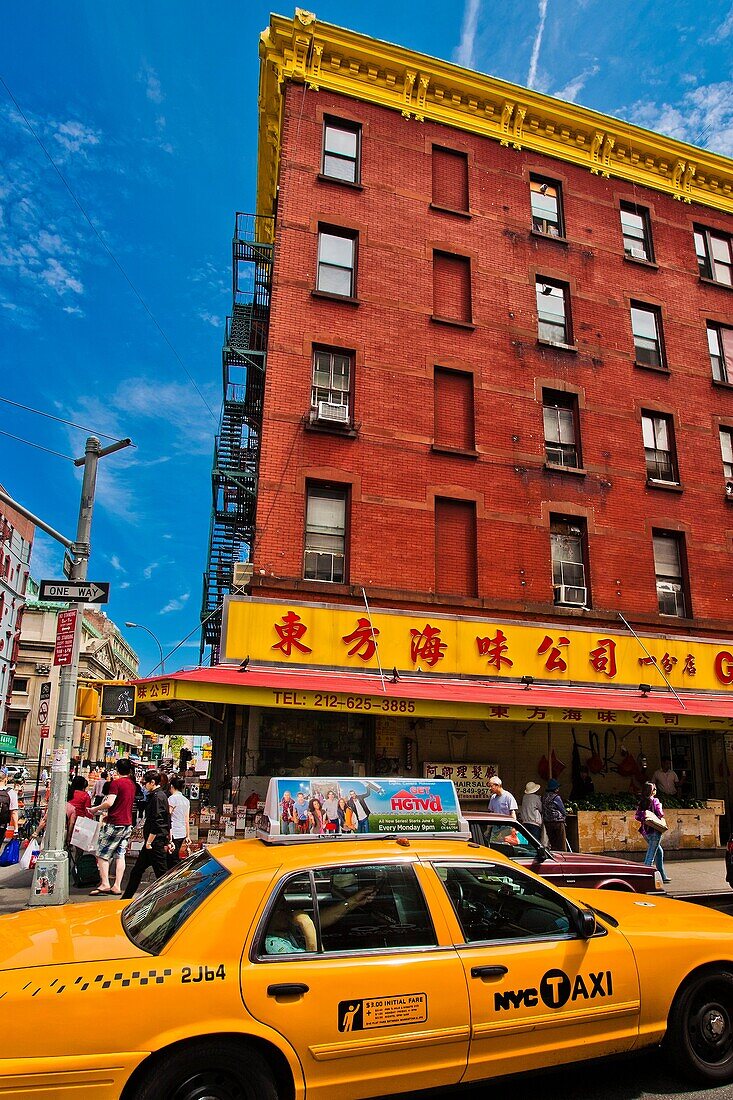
664 779
501 801
180 809
8 810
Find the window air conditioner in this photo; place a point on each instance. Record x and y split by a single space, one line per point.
242 573
336 414
571 595
637 253
669 596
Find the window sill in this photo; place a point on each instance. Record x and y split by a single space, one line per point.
654 370
329 297
714 282
557 345
457 452
342 183
346 431
452 322
723 385
549 237
450 210
642 263
665 486
574 471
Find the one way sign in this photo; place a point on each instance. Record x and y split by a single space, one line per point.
75 591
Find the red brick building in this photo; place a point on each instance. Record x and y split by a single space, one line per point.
492 445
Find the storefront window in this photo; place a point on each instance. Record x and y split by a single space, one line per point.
312 744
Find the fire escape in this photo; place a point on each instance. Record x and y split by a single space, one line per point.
237 445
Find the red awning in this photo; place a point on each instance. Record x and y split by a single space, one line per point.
492 693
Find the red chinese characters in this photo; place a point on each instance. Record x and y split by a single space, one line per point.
689 668
603 657
362 640
495 649
426 645
290 631
555 661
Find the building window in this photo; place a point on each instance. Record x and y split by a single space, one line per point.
720 342
455 547
331 390
668 567
568 542
325 534
562 439
646 325
553 312
546 200
341 148
454 419
636 229
726 450
714 256
659 448
450 179
337 262
20 685
451 287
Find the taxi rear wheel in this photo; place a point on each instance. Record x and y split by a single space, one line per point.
700 1035
212 1071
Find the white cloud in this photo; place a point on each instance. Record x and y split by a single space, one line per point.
74 310
175 605
465 53
46 557
149 569
75 137
724 30
574 87
59 278
151 80
703 116
211 319
115 562
532 74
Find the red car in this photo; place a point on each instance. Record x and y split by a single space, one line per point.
576 870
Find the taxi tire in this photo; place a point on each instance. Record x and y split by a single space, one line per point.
225 1069
702 1007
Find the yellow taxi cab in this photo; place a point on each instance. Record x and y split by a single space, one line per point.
353 964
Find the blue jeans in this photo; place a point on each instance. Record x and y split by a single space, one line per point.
655 853
363 825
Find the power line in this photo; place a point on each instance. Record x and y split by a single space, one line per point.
58 419
107 249
38 446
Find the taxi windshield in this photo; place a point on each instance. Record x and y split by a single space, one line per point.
157 914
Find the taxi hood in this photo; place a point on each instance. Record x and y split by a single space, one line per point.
644 914
68 934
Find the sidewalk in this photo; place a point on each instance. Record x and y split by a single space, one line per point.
689 878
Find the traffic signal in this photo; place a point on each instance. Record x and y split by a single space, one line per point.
87 703
184 756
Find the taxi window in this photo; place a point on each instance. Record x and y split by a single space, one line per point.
499 903
354 907
153 918
510 840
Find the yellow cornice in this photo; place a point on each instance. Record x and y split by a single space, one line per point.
322 55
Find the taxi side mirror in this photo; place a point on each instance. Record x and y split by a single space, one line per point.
585 923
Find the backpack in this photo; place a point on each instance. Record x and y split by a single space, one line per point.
551 809
4 809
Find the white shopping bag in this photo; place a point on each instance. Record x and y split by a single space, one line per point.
86 831
28 859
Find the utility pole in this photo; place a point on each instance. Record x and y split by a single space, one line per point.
51 876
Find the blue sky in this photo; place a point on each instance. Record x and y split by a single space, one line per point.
149 112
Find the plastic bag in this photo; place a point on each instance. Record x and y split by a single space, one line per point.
30 855
11 853
85 834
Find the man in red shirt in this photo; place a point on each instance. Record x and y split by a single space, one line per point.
117 829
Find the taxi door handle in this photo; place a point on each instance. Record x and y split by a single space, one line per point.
488 971
287 989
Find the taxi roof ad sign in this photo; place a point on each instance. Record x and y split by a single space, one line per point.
355 806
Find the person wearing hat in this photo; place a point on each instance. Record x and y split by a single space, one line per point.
554 815
530 812
501 801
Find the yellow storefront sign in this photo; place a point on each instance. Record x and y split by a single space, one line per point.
301 634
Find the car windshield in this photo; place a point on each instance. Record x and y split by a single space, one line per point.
156 915
511 839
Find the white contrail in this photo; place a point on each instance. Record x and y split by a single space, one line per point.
537 43
464 54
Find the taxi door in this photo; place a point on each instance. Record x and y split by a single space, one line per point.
540 994
351 967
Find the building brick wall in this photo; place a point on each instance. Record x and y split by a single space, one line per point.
390 464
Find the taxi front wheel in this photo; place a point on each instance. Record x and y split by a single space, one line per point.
216 1070
700 1033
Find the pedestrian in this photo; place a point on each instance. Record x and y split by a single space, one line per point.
98 791
115 832
554 816
665 779
501 801
44 776
78 804
583 787
180 810
156 834
530 812
8 810
653 837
